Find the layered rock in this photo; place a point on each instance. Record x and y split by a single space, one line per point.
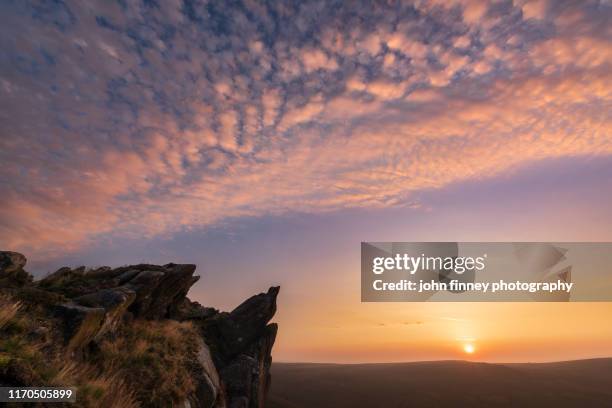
232 367
80 325
241 342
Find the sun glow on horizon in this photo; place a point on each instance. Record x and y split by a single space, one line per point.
469 348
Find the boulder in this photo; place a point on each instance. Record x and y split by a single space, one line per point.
73 282
11 270
80 324
192 311
158 291
109 299
11 261
115 303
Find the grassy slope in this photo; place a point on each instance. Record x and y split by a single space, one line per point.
442 384
151 356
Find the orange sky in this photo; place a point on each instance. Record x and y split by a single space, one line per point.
329 323
500 332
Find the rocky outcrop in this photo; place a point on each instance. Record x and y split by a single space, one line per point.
232 364
241 342
247 376
157 289
11 269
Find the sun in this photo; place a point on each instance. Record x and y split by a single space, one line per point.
469 348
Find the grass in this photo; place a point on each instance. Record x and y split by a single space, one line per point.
97 391
8 310
144 363
155 356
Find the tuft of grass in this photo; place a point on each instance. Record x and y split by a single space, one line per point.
8 310
155 358
96 390
106 391
16 348
146 363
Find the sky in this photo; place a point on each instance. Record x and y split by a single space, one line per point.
265 141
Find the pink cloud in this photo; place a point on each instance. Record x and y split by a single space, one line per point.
364 117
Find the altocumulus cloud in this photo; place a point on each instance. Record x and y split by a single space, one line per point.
156 116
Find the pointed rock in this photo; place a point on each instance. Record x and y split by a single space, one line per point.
158 291
229 334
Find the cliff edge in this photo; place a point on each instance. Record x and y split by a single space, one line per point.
130 337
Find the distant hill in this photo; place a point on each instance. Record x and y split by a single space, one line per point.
582 383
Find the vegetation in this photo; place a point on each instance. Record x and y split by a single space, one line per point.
153 357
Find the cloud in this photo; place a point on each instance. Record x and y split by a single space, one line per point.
147 119
314 59
534 9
